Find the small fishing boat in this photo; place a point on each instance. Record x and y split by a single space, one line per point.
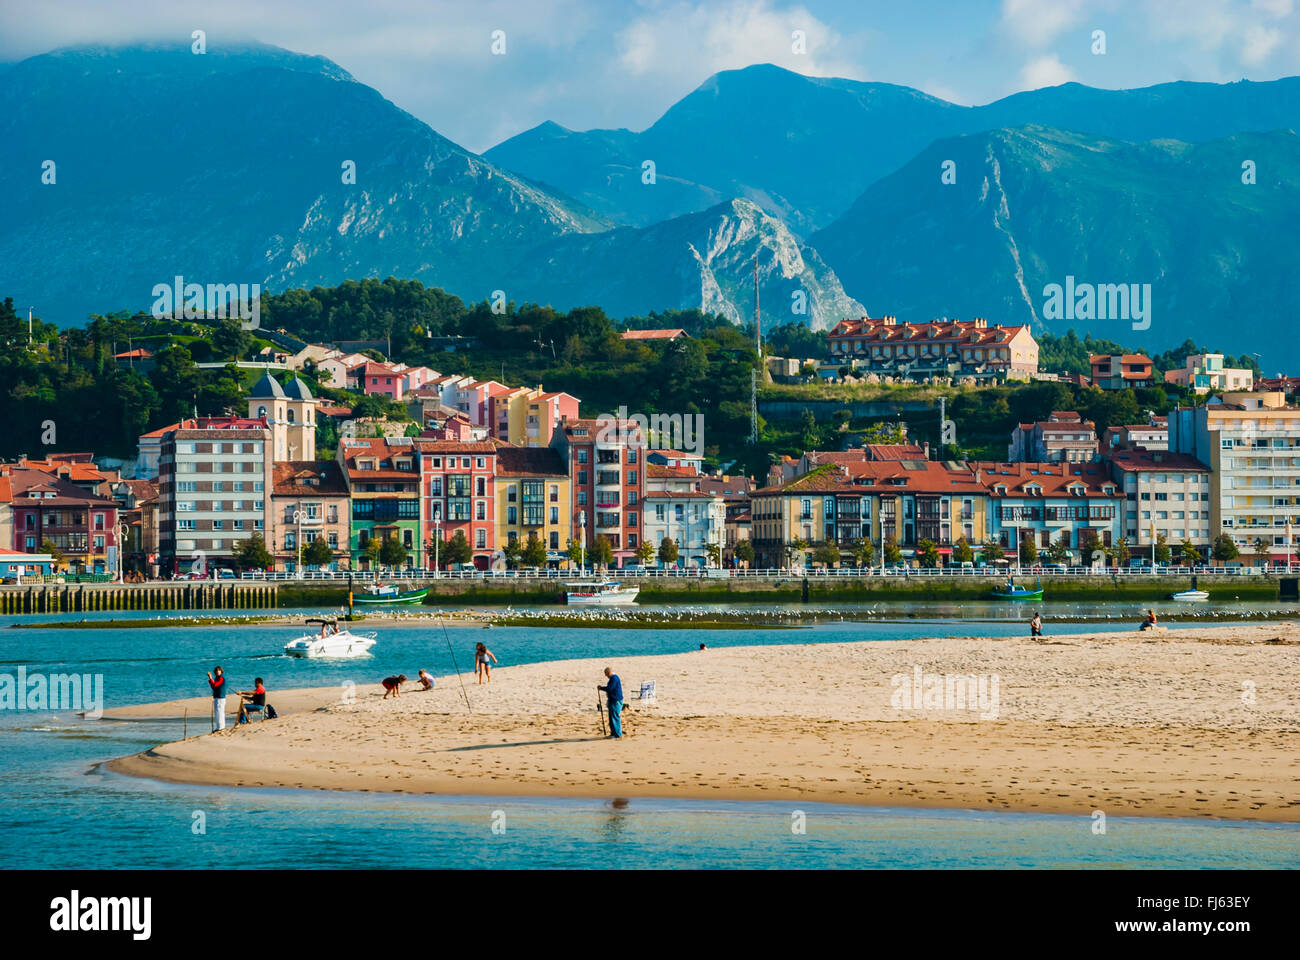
390 594
330 642
1190 595
1013 592
600 593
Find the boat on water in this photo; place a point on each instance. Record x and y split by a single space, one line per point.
390 594
1013 592
600 593
329 641
1190 595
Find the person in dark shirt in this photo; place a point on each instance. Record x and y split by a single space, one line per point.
393 685
218 685
614 698
251 701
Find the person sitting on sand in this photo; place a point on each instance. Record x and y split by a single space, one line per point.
1150 622
393 685
1036 626
482 668
424 680
258 697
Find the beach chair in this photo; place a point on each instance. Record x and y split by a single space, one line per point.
647 693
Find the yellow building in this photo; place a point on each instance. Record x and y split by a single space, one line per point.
533 499
907 501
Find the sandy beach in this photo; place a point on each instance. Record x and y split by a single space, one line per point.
1198 721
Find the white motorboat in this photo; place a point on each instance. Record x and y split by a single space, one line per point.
600 593
329 641
1192 595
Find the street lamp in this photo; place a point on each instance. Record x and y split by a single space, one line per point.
437 535
582 543
1288 546
297 515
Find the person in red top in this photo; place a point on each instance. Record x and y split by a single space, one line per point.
257 696
393 685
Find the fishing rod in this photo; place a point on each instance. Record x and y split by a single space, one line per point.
463 691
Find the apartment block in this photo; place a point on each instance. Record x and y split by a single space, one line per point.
605 460
213 483
1121 371
1164 493
1204 372
1251 444
1063 437
309 501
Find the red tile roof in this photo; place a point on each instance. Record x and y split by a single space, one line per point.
653 334
886 329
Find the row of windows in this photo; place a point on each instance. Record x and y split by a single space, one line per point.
182 524
219 486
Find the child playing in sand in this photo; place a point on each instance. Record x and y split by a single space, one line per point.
482 669
424 680
393 685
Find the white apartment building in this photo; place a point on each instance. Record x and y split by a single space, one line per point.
690 518
1164 493
1251 443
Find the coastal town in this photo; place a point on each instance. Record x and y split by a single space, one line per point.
491 477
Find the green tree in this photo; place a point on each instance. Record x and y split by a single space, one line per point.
602 552
456 550
1122 552
826 553
797 545
744 552
991 551
893 553
863 552
1089 543
49 546
513 551
251 554
1261 552
392 552
1028 548
1190 555
575 552
645 552
534 552
230 340
1225 549
962 552
1163 553
714 553
1059 551
317 553
927 553
668 552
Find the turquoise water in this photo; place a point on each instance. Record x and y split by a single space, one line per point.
62 810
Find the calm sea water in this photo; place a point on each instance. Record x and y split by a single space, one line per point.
61 810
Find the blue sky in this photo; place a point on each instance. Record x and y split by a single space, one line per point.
621 63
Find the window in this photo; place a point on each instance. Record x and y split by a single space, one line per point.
480 538
480 511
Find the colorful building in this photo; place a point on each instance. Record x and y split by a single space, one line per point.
1127 371
605 461
309 501
383 483
81 526
458 493
1052 503
533 499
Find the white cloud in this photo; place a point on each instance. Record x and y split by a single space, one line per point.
1046 71
695 40
1258 44
1038 23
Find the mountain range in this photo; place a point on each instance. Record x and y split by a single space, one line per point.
233 167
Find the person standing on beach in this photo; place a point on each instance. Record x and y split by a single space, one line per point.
1036 626
614 698
482 668
218 685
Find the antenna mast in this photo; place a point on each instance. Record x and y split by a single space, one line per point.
753 377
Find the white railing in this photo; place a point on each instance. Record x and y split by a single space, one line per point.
781 573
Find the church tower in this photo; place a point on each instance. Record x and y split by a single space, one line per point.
291 414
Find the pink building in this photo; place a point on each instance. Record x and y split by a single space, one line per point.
379 378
